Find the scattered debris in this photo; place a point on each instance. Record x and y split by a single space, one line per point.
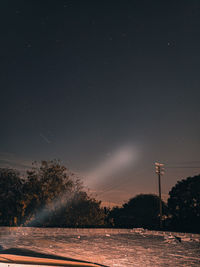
172 239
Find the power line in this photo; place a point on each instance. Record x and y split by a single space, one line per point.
108 189
183 162
112 187
183 167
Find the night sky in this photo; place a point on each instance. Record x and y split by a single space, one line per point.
84 81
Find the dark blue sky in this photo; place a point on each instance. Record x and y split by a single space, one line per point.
82 79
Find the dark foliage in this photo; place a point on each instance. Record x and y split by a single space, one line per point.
11 196
140 211
48 186
49 196
184 205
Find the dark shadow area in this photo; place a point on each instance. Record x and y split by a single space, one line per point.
31 253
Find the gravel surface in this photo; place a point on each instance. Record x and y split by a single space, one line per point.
111 247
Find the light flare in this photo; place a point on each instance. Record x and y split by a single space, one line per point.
117 162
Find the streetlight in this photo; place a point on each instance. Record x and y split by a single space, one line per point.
160 171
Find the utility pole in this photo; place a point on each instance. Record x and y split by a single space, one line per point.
160 171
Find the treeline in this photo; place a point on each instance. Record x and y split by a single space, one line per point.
51 196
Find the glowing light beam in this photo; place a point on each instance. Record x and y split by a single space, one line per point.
117 162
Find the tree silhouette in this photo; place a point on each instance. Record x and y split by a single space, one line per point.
53 196
184 205
48 187
11 195
140 211
84 211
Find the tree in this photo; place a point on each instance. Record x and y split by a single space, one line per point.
116 217
184 205
54 197
48 188
140 211
84 211
10 197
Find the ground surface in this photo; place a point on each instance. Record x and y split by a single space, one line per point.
111 247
